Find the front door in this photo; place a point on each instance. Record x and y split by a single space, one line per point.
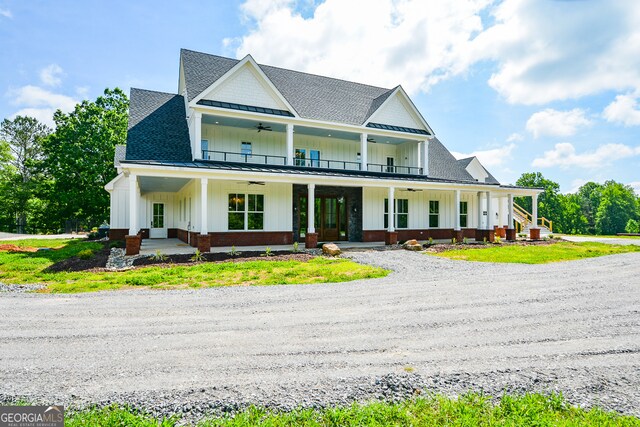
330 217
158 224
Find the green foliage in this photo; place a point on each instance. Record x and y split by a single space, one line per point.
159 256
78 156
85 254
537 254
453 240
470 409
197 256
632 226
549 204
618 205
295 246
496 239
267 252
234 252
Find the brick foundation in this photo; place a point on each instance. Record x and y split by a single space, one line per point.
481 235
458 235
239 238
511 234
133 244
424 234
501 232
390 237
534 233
118 233
204 243
311 240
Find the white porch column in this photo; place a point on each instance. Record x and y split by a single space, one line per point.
456 210
534 211
510 209
479 210
289 144
391 209
204 211
197 149
363 151
500 210
424 156
311 212
489 212
133 205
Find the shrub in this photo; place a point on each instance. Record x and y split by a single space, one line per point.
295 246
267 252
197 256
454 241
234 252
159 256
93 235
496 239
116 244
632 226
85 254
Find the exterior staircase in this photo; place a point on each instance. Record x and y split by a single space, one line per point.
524 221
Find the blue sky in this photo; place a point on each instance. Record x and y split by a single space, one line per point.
526 85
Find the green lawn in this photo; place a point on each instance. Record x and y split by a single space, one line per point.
468 410
606 236
21 268
536 254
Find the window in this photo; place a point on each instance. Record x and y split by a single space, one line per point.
158 216
434 213
314 155
300 156
246 211
245 148
204 146
390 161
401 219
463 214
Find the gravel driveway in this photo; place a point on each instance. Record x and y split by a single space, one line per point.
433 324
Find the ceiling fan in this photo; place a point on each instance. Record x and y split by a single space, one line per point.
250 182
370 139
260 127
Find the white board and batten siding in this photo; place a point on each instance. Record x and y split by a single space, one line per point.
396 111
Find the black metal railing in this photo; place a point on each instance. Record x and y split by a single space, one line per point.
408 170
265 159
225 156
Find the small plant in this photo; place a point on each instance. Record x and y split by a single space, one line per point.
430 241
159 256
93 235
453 240
267 252
85 254
409 368
234 252
496 239
116 244
484 240
295 246
551 236
197 256
465 240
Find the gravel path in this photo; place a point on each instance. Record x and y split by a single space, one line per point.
572 327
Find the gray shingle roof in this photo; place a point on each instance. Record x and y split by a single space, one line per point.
313 97
119 154
157 127
443 165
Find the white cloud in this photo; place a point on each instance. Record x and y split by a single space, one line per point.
556 50
636 187
6 13
382 42
551 122
51 75
491 157
40 103
564 155
623 110
515 137
576 184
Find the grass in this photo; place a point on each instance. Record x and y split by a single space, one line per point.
537 254
24 267
469 410
604 236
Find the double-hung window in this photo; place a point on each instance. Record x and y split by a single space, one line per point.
434 213
300 157
204 146
245 151
464 214
246 211
401 218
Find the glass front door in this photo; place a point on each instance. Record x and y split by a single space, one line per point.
158 227
331 220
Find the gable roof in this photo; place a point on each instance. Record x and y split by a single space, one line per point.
157 127
443 165
490 179
313 97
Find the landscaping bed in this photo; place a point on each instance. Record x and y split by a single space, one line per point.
444 247
241 256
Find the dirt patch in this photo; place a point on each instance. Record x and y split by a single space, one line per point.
444 247
15 248
97 262
185 259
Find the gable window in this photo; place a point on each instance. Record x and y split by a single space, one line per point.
246 211
390 166
434 213
401 219
300 156
463 214
204 146
245 149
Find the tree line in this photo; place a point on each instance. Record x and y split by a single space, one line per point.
51 178
595 208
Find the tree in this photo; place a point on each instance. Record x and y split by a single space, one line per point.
79 156
549 204
632 226
573 219
590 195
617 206
23 135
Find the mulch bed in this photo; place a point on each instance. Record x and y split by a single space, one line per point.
185 259
443 247
97 262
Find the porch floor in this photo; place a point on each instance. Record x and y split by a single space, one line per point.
176 246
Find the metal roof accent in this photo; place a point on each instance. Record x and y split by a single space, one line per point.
397 128
241 107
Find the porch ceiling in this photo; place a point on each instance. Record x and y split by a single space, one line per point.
150 184
241 123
